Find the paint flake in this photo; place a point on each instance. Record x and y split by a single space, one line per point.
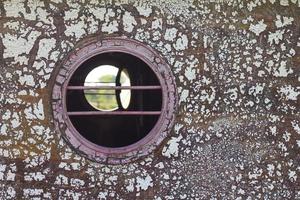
144 183
172 147
181 43
258 28
289 92
129 22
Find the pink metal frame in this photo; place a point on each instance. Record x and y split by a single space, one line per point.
166 116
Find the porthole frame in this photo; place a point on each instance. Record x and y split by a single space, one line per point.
116 155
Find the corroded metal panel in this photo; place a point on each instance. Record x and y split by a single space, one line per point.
237 130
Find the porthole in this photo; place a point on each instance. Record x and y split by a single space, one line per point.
114 100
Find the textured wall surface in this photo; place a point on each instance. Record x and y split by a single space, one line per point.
237 68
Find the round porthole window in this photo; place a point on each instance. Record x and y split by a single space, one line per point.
114 100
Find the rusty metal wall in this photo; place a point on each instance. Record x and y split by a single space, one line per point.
237 68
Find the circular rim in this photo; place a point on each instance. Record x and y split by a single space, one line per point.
119 154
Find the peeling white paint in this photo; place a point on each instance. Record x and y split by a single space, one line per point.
226 62
172 147
71 14
289 92
129 22
37 112
14 8
283 21
11 192
157 24
258 28
102 195
144 11
27 80
296 127
284 2
144 183
276 37
98 12
32 192
61 180
170 34
181 43
233 92
110 27
76 182
184 95
292 175
3 130
130 186
76 30
283 71
208 95
45 46
190 73
13 43
15 121
36 176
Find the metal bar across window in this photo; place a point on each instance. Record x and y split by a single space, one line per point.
90 93
148 87
81 113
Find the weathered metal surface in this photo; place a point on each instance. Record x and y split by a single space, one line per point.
237 131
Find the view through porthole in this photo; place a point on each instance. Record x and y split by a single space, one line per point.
106 99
